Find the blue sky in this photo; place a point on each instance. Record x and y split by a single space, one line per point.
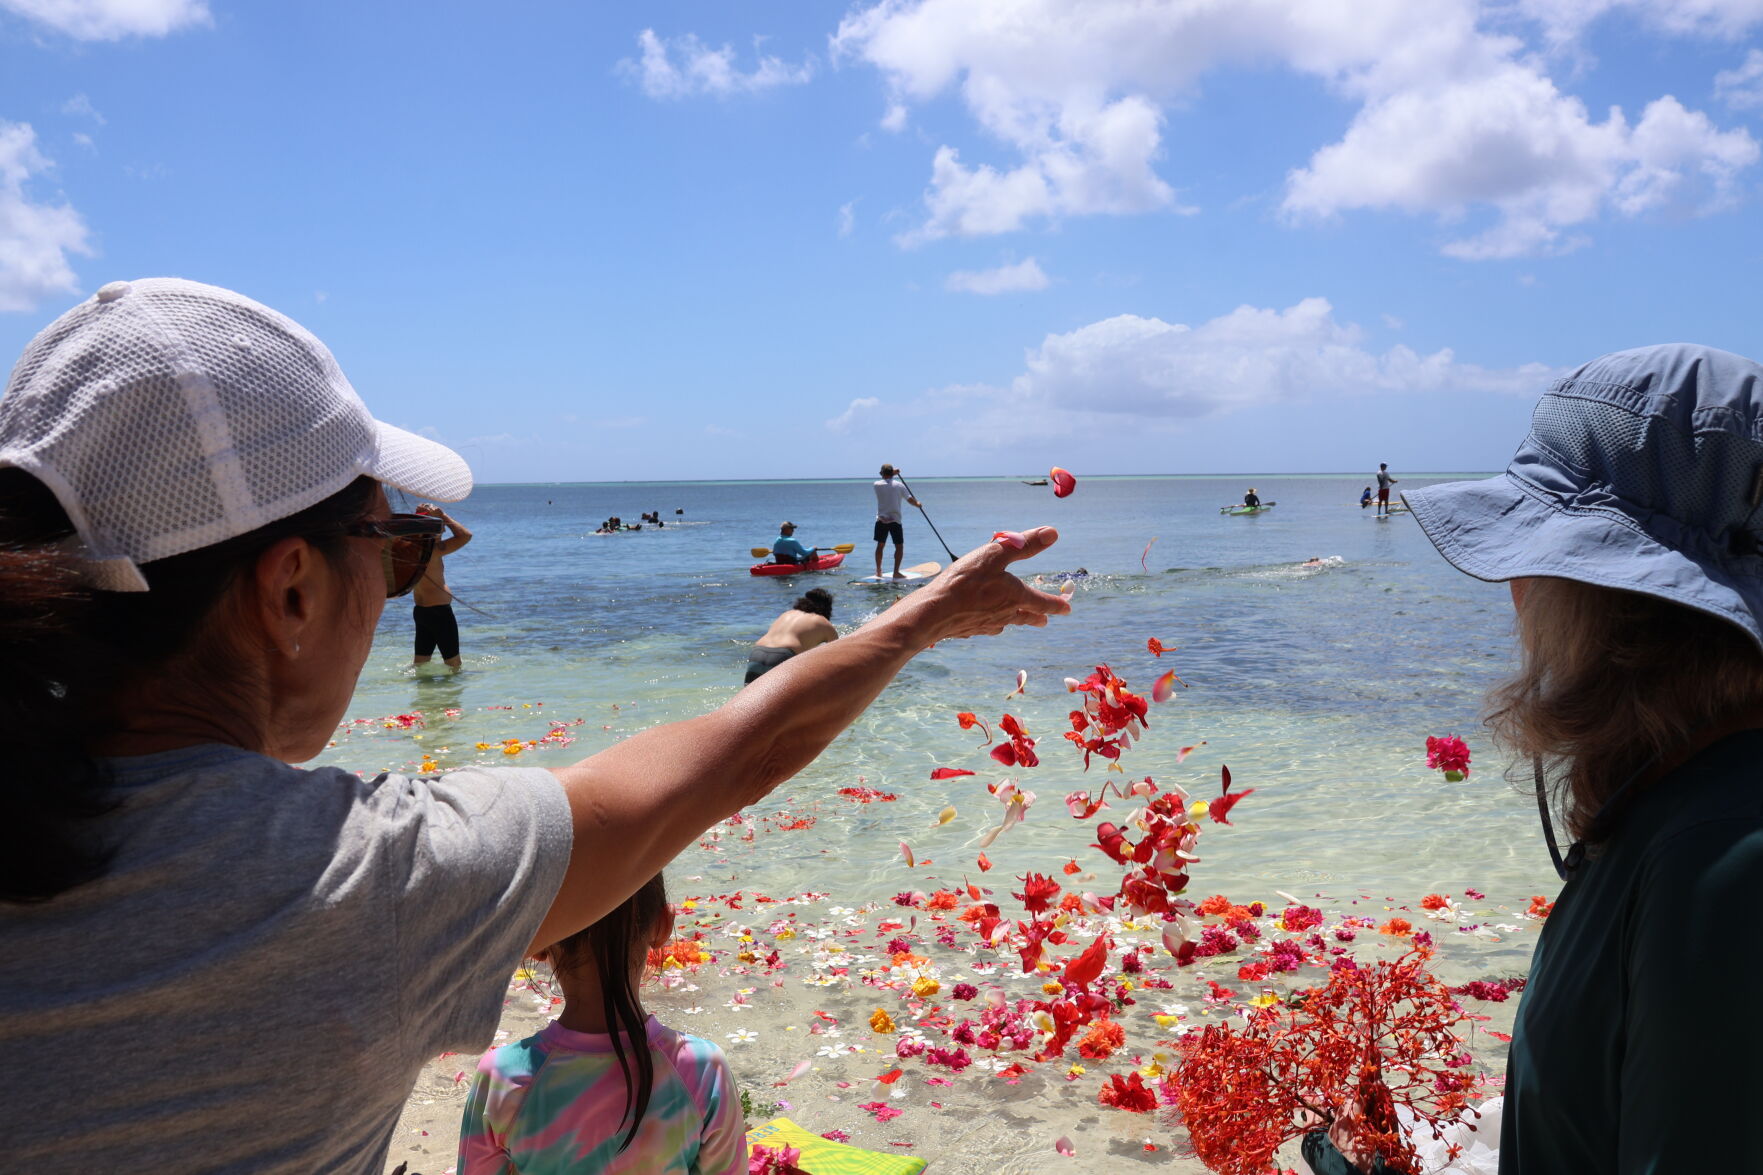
678 240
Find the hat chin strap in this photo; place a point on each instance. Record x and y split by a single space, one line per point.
1575 856
1564 866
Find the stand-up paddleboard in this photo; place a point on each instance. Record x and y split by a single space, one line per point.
1233 511
909 576
825 561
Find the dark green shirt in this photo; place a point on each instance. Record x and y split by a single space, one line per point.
1639 1047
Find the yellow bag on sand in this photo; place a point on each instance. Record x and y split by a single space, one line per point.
823 1156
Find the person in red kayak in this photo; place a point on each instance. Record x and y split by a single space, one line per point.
787 550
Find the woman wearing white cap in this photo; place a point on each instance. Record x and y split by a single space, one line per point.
1629 527
211 959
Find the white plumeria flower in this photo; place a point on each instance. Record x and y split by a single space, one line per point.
743 1035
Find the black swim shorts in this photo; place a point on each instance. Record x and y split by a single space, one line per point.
763 658
436 626
884 529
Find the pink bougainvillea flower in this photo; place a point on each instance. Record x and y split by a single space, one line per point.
1013 539
949 773
1219 809
1063 481
1449 754
968 721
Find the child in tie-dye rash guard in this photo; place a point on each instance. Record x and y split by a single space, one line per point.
605 1087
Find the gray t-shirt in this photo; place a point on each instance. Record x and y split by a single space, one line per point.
273 955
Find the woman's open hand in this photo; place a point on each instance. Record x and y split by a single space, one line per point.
980 596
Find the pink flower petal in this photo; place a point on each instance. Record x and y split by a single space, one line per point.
1064 1147
1164 687
1014 539
1063 482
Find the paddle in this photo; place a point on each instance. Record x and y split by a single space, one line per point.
921 510
842 548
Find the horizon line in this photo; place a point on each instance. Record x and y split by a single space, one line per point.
972 477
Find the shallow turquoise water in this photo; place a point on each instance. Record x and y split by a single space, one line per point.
1317 686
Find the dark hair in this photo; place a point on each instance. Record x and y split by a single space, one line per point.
70 653
612 947
816 600
888 471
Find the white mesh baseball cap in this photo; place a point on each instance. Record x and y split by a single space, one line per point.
166 415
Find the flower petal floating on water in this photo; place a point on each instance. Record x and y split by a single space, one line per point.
984 863
1146 553
906 851
1063 481
946 815
1064 1147
1021 683
949 773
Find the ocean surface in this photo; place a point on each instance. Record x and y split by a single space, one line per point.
1317 686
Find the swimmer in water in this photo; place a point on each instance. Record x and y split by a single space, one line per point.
807 624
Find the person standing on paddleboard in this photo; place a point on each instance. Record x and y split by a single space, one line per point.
808 623
1384 482
890 495
787 550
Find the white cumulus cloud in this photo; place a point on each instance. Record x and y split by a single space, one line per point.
685 67
1146 371
36 238
1025 276
843 421
1456 115
111 20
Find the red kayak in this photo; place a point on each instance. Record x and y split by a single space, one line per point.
825 561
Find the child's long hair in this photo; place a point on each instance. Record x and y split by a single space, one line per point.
617 946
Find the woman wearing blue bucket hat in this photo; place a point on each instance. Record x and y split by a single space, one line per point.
1629 527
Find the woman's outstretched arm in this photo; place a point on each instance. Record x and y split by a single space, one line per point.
638 803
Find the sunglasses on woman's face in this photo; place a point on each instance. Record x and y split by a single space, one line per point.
407 544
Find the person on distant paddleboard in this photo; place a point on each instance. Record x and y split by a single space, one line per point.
808 623
1384 482
1365 498
787 550
890 495
1251 499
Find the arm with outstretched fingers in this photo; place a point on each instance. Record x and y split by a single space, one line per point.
637 804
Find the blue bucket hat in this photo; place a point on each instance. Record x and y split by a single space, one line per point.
1643 471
